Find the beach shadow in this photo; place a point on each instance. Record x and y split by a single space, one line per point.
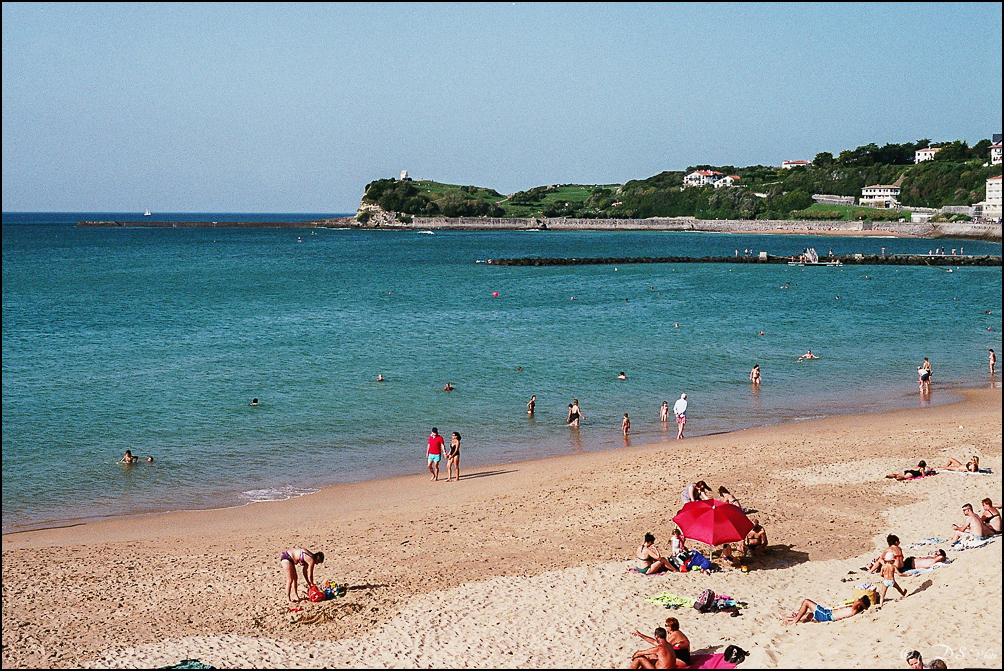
487 474
707 650
779 556
924 585
354 588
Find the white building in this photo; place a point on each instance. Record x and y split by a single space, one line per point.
788 165
404 175
727 180
995 154
922 155
702 178
886 195
992 205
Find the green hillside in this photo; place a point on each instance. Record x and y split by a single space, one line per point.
956 176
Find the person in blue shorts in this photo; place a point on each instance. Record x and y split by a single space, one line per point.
813 612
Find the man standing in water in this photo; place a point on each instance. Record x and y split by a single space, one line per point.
436 447
680 410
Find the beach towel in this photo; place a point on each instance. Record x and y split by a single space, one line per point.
702 660
671 600
190 664
971 543
640 572
930 540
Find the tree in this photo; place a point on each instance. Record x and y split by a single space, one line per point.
824 159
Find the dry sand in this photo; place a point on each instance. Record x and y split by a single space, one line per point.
524 565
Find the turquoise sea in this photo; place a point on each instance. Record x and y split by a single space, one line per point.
157 339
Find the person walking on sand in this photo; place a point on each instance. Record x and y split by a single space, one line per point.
435 453
680 410
889 580
664 412
531 405
453 458
625 424
289 560
993 362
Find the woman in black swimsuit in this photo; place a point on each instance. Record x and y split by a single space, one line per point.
453 458
991 516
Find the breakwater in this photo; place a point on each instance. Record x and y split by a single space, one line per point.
847 260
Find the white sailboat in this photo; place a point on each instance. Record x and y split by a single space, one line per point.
147 213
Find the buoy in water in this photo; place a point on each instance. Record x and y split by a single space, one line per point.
495 294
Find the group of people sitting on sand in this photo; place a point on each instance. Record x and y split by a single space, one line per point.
670 649
650 559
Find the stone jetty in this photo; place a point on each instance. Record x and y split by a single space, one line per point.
847 260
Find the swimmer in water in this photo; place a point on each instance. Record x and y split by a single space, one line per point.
808 355
448 387
254 401
531 404
128 458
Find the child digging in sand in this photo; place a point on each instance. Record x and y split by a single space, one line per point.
889 580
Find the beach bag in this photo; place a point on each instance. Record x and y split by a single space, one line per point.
704 601
734 654
870 592
697 560
315 594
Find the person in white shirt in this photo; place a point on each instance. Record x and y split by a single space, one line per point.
680 410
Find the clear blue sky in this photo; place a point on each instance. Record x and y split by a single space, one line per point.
294 108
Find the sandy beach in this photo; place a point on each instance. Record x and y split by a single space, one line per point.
524 565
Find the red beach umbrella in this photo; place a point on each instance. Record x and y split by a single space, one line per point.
713 522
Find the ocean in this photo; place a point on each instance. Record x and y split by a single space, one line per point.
156 340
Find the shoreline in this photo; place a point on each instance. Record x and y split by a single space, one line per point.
953 395
527 537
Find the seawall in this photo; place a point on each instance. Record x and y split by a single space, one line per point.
382 220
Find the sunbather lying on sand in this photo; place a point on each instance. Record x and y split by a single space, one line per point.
811 611
956 465
910 473
932 558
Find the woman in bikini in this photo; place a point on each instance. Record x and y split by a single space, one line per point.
956 465
453 457
290 559
649 559
664 412
991 516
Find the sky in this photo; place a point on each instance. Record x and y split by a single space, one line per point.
296 107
